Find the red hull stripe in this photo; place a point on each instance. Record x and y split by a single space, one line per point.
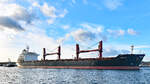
85 67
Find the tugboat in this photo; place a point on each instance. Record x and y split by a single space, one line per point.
10 64
122 61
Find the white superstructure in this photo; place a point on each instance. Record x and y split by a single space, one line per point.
28 56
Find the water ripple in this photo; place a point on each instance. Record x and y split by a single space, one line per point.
16 75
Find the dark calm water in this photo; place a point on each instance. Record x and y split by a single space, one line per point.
16 75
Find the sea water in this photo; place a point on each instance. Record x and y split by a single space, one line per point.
15 75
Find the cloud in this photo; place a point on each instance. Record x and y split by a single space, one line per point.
11 14
6 22
51 21
16 12
123 51
50 11
24 15
110 50
119 32
93 27
131 32
63 13
114 52
83 35
142 46
113 4
65 26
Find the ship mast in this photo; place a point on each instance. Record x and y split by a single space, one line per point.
55 53
100 48
132 48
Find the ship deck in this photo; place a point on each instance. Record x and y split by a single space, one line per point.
106 58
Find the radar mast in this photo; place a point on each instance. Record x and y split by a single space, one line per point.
27 48
132 48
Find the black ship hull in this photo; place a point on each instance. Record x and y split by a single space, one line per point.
125 61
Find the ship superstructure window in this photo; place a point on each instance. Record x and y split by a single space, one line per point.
28 56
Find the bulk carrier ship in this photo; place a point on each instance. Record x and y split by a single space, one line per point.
122 61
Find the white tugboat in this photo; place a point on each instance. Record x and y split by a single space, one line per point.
10 64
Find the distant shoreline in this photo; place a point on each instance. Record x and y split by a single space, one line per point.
145 64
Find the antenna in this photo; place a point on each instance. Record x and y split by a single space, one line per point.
132 48
27 48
